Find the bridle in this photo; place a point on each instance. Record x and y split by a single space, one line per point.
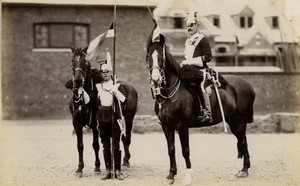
78 91
157 86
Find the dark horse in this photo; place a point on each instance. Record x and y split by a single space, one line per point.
84 115
175 108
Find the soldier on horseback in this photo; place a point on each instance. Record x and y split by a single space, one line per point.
197 55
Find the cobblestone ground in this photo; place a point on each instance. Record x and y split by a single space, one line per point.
45 153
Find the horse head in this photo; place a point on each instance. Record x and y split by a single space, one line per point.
161 65
156 64
155 58
80 67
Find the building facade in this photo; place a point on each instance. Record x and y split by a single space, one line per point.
36 38
36 54
242 34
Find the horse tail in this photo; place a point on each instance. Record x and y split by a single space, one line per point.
249 113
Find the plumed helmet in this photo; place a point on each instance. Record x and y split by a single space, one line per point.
105 67
192 17
105 64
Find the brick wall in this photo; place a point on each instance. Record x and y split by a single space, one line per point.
33 82
275 92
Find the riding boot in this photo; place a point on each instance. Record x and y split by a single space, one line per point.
117 162
207 110
107 159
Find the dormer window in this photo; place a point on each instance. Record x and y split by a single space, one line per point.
216 21
275 22
177 19
245 18
246 21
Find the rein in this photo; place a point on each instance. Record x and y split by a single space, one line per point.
80 91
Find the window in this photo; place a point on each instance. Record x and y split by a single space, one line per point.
246 22
275 23
250 22
178 22
222 50
60 35
216 21
242 22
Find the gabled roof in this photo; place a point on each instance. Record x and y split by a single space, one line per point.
261 12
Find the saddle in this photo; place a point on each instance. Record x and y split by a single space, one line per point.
193 80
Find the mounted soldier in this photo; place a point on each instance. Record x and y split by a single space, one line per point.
197 55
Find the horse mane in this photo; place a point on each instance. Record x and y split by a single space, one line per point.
172 62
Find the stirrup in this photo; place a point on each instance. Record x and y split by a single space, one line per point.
206 116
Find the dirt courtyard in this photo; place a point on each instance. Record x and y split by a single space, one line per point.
45 153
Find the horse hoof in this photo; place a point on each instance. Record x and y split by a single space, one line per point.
242 174
170 179
79 174
169 182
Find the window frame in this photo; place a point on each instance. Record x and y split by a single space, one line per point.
53 47
246 22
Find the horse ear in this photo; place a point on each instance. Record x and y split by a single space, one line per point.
149 37
85 49
72 48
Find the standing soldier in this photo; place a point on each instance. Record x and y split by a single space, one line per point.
108 120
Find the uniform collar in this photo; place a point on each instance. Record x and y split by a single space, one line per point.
192 39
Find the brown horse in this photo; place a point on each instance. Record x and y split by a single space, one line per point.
84 115
176 110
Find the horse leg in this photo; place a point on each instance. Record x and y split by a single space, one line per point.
96 148
170 136
184 141
238 128
126 143
79 135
